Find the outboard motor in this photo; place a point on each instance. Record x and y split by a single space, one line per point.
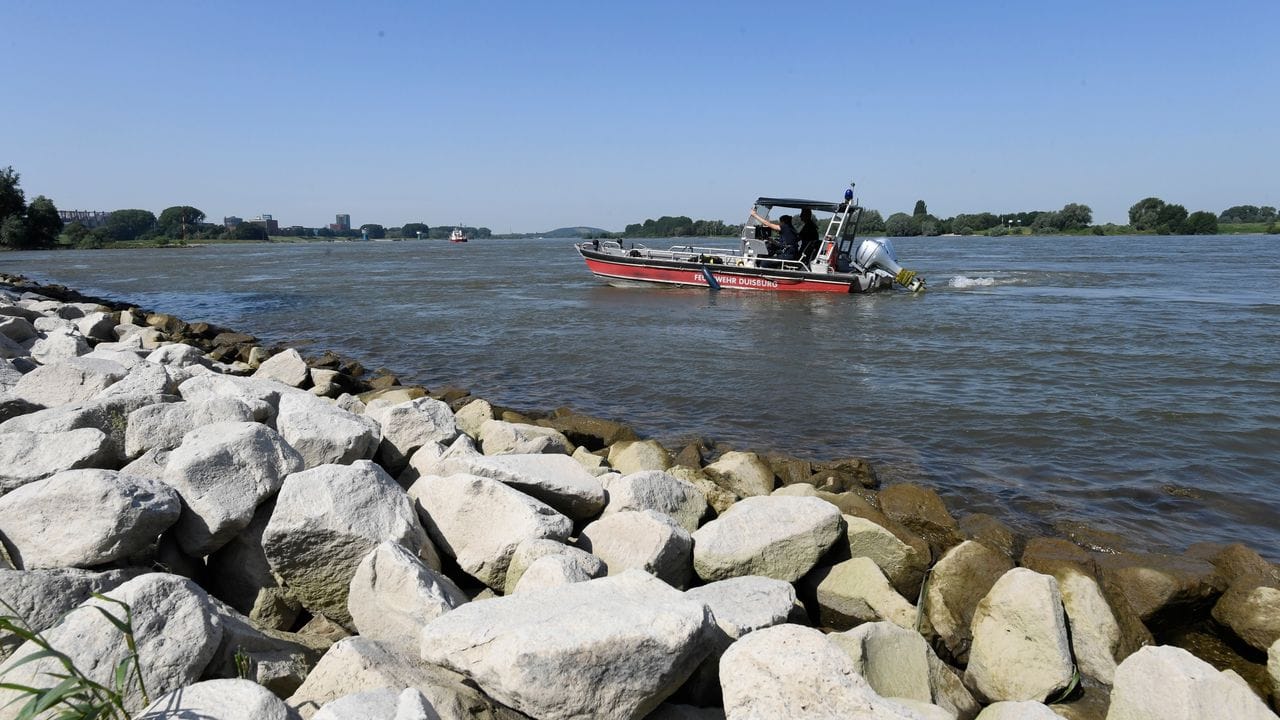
879 253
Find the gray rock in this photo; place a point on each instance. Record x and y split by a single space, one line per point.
1252 613
628 456
856 591
408 426
922 512
790 671
894 660
286 367
960 579
660 491
56 345
472 416
179 355
743 473
9 376
393 595
16 329
239 575
108 414
1095 634
146 378
174 628
323 433
96 325
1169 683
262 395
26 457
575 564
223 471
357 664
557 480
10 350
1020 648
1159 587
613 647
480 522
1025 710
642 540
82 518
498 437
41 597
552 571
326 520
903 564
163 425
150 465
777 537
219 700
69 381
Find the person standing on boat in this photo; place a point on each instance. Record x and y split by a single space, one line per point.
787 235
808 236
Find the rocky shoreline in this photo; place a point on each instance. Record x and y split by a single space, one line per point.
298 537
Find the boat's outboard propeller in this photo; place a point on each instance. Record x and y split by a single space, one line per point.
879 253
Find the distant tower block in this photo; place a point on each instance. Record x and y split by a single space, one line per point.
343 221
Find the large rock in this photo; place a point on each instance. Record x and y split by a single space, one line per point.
73 380
164 424
1252 613
109 414
357 664
261 395
571 564
899 663
286 367
219 700
82 518
1273 671
628 456
743 473
325 521
660 491
323 433
1025 710
790 671
641 540
903 564
557 480
856 591
394 595
921 511
1169 683
39 598
614 647
27 456
777 537
146 378
179 355
480 522
408 426
223 471
960 580
174 628
1095 634
1020 648
56 345
472 416
1161 589
16 329
498 437
381 704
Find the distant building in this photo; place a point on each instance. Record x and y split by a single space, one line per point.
231 221
272 226
343 223
88 218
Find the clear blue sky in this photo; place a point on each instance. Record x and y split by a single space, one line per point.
533 115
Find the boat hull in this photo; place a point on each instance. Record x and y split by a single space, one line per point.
628 270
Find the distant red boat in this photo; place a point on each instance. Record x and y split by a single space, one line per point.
841 263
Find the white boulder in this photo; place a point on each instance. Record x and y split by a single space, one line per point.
393 595
743 473
1168 683
82 518
28 456
570 564
219 700
178 355
613 647
856 591
286 367
498 437
641 540
903 564
323 433
1020 649
557 480
555 570
408 426
325 521
41 597
660 491
69 381
778 537
223 471
164 424
628 456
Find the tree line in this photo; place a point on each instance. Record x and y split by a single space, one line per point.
679 226
22 224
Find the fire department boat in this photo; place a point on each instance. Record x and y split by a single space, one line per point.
842 263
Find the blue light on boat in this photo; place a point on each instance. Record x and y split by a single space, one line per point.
848 194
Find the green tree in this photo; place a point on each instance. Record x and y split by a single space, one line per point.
1145 214
871 222
411 230
1170 219
1046 223
13 231
901 225
179 220
249 231
43 222
920 210
75 233
1200 223
1248 214
126 225
1074 216
12 201
376 231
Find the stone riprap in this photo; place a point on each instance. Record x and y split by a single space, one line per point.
476 586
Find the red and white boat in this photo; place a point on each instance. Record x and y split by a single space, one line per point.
842 263
459 235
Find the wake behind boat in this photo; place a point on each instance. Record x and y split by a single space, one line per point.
768 256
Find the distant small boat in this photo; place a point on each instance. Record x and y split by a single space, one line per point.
458 235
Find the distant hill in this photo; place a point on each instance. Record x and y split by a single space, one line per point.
580 232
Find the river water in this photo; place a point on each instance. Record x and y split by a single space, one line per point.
1129 383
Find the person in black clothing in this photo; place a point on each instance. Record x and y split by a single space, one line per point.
809 241
787 235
